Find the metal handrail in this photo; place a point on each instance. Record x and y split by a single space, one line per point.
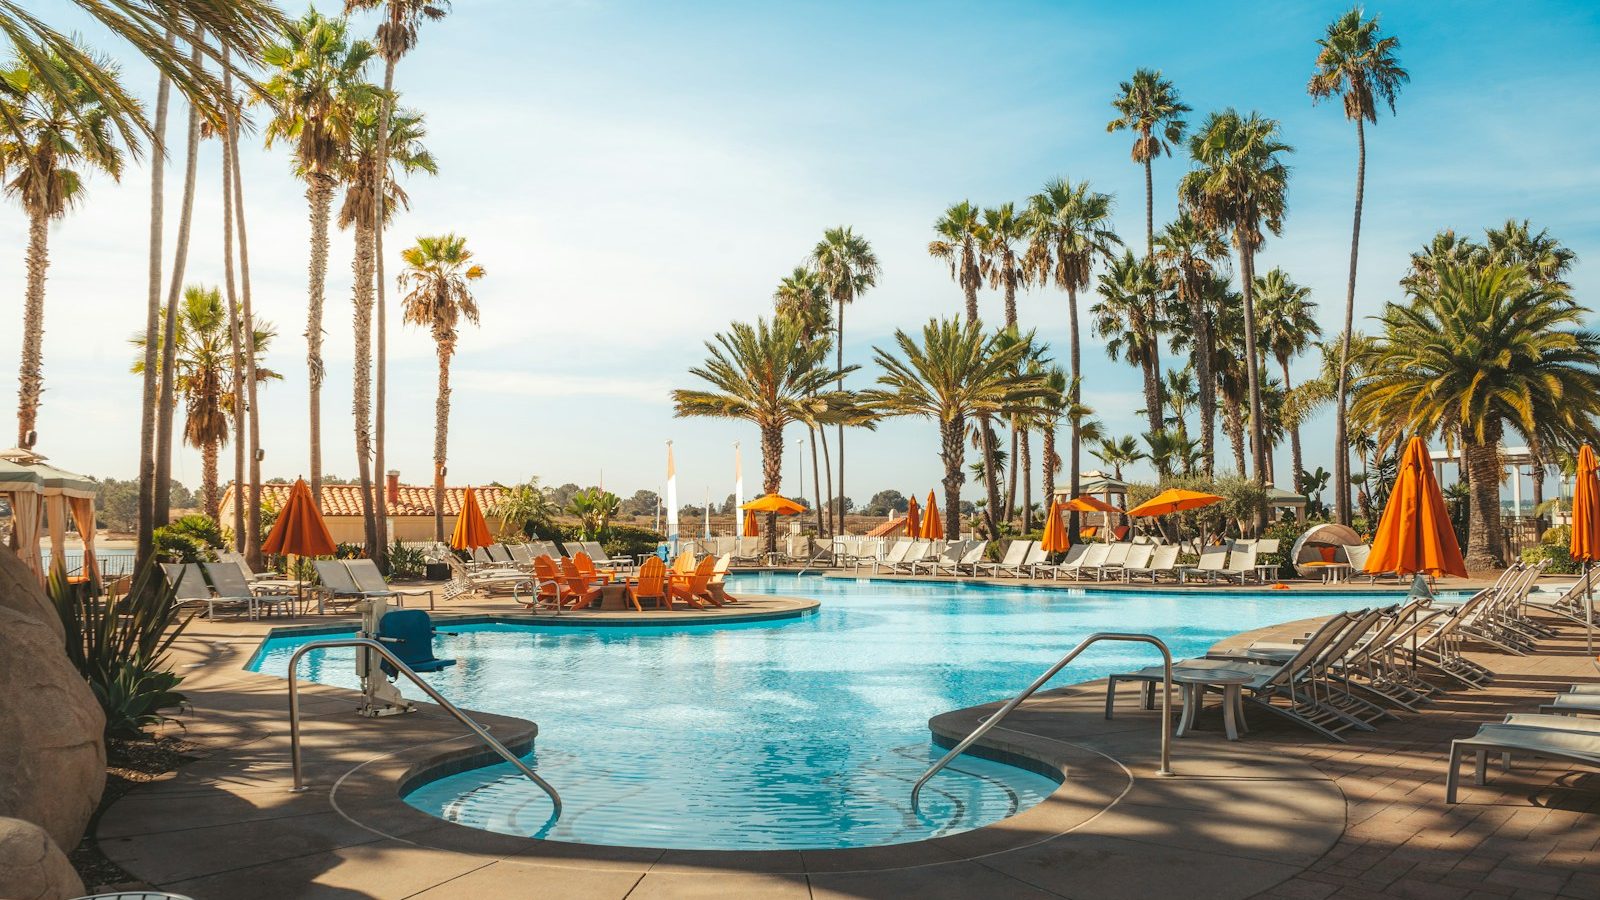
1014 702
474 727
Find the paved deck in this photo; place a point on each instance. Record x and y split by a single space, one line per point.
1275 815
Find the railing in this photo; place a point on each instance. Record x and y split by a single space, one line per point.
435 696
1014 702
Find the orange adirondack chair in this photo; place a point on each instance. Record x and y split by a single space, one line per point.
586 567
548 579
582 591
692 589
683 565
719 576
650 585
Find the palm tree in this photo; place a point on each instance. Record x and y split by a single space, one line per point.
1117 452
955 374
204 380
960 244
1003 229
1122 318
1487 350
1051 406
1445 247
1069 230
848 268
767 375
51 140
1148 105
800 297
1239 185
248 329
1288 328
1544 257
361 204
150 396
1357 64
1181 395
397 35
239 370
439 272
317 92
1186 256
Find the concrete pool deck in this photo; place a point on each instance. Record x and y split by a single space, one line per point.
1275 815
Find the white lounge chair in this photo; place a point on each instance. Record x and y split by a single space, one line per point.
1069 563
1137 556
1579 747
918 551
1015 553
895 555
1163 561
948 558
189 588
1241 565
1212 560
1091 561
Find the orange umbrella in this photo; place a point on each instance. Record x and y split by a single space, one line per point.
913 519
1055 531
1415 535
750 527
1586 508
932 524
299 530
1088 503
471 530
1173 500
774 503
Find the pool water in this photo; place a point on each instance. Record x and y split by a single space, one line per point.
785 734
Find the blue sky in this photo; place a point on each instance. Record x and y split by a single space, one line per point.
634 176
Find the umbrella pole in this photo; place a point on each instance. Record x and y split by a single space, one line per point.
1588 615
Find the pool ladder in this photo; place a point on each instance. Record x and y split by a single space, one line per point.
481 732
990 722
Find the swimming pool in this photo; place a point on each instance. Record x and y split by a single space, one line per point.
786 734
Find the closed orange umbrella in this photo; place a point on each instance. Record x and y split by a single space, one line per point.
1586 508
471 530
1173 500
932 524
913 519
750 527
774 503
1055 531
300 530
1415 535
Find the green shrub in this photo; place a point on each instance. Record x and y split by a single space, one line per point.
349 551
406 562
189 539
630 541
1561 561
119 645
1559 536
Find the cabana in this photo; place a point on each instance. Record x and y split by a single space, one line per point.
1322 545
59 495
21 486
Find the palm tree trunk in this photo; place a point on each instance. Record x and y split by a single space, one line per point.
1204 352
772 477
210 453
30 380
1048 445
1073 392
1152 404
952 450
1233 423
1483 465
1295 459
441 431
969 286
152 322
827 472
252 523
235 343
1341 455
319 194
1011 300
162 508
838 354
1011 476
992 512
816 478
380 500
1258 446
1025 463
1154 389
362 381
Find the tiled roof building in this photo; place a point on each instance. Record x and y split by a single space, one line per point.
410 507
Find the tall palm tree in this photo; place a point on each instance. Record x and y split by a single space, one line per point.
239 370
1181 397
1069 230
52 138
1239 185
397 35
767 375
1486 351
1002 232
1148 105
1117 452
1122 318
1357 64
1288 329
800 297
364 181
150 396
1515 244
1050 407
848 268
955 374
439 273
248 329
317 89
960 244
204 380
1186 256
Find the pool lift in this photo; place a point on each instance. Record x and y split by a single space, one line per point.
409 634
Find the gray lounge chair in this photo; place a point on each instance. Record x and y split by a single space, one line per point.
1579 747
370 581
228 581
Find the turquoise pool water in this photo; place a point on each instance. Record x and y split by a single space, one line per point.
794 733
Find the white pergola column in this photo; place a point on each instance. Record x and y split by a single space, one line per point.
1516 490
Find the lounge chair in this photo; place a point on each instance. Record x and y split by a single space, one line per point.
1034 557
1163 561
1137 556
370 581
268 580
1572 704
1212 560
189 588
1241 565
917 552
1069 563
228 581
1579 747
895 555
1091 561
336 584
970 560
1294 684
1016 552
598 555
748 550
521 556
948 558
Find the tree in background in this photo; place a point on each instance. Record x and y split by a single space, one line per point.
848 268
886 503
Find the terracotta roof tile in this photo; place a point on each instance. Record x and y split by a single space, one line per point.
414 500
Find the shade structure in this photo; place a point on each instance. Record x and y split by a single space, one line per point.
1415 534
1086 503
913 519
932 523
22 488
774 503
1173 500
1055 538
1586 508
751 529
471 530
299 530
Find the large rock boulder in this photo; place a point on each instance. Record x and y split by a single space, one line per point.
32 867
52 746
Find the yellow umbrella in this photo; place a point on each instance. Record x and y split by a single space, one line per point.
932 524
774 503
471 529
1055 531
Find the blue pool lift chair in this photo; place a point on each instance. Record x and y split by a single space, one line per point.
408 633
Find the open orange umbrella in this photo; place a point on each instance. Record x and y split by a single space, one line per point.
1088 503
1055 531
774 503
300 530
932 523
1586 534
1173 500
1415 535
913 519
751 529
471 530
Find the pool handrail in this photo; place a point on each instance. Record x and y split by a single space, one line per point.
481 732
990 722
